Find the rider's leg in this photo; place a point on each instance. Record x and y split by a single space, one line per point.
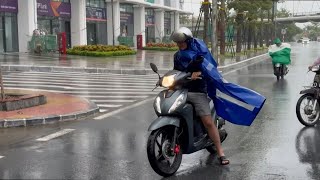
202 108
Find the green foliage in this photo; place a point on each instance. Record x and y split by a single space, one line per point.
101 48
292 29
313 31
99 53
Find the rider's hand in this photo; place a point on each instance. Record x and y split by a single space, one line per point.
195 75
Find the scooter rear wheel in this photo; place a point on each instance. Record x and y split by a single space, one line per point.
161 158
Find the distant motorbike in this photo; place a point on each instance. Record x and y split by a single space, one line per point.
307 108
280 70
177 130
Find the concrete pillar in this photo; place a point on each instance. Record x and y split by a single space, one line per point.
175 21
139 24
27 22
159 24
116 22
78 23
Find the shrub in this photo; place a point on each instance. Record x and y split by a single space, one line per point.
166 45
101 50
99 53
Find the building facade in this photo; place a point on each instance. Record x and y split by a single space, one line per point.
88 21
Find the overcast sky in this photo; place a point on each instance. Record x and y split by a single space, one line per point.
294 6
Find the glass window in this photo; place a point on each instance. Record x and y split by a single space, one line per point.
96 3
126 8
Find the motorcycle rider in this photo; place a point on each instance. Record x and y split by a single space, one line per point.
282 51
197 88
316 63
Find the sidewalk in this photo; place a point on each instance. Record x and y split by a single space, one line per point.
132 64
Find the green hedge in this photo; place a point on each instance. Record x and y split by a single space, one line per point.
160 48
100 54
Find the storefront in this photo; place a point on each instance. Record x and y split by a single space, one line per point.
54 17
167 24
126 20
150 27
8 26
96 22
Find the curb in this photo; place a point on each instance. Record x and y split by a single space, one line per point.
93 110
120 71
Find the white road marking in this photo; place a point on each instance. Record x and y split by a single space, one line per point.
122 109
115 96
109 105
1 157
103 110
86 92
55 135
113 100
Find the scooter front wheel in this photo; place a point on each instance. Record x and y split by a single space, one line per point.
304 110
163 160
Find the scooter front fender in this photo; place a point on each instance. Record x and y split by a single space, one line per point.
164 121
309 91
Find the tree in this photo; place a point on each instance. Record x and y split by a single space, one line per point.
185 19
291 29
249 11
313 31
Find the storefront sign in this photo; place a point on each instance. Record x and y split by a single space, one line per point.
9 6
53 8
126 18
96 14
149 20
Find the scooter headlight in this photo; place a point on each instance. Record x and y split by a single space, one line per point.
157 105
315 68
167 81
176 103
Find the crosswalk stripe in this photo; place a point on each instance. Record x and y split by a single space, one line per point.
113 96
108 92
82 77
80 85
88 93
83 73
55 135
78 81
78 88
109 105
113 100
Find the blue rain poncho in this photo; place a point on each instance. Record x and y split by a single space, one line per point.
234 103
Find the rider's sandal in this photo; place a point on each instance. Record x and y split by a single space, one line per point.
223 160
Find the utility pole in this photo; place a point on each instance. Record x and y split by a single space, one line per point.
205 6
222 27
214 39
112 16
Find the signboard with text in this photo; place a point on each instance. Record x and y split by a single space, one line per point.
126 18
149 20
53 8
9 6
96 14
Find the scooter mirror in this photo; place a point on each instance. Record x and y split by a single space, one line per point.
154 67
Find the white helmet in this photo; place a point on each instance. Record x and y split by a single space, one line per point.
181 35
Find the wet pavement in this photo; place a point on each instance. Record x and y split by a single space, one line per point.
164 60
276 146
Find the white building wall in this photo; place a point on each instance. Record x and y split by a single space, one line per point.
139 24
113 32
78 23
27 22
159 24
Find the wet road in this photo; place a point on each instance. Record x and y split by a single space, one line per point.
276 146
